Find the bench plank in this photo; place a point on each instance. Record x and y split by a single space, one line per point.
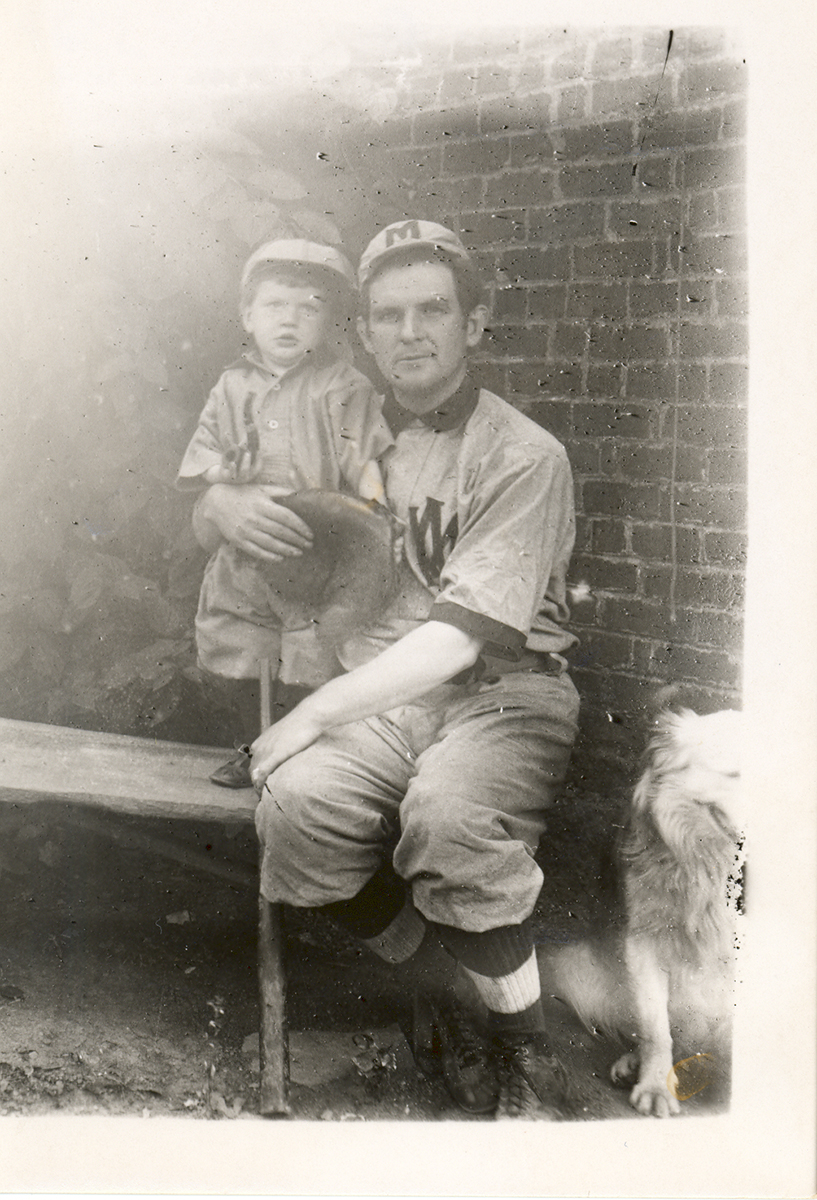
143 777
139 776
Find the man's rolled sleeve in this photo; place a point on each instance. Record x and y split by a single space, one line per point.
499 640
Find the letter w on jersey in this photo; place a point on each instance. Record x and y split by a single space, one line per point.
430 538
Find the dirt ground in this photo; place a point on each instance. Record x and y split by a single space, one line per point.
128 981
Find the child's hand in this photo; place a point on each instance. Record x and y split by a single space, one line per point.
245 467
218 474
397 548
398 537
238 465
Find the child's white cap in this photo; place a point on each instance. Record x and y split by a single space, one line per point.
301 253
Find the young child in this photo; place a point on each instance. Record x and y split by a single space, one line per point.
290 414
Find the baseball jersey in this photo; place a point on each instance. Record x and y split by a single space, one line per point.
486 500
315 426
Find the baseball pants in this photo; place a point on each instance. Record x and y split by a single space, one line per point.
456 794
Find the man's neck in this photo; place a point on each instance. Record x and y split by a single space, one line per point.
422 404
448 414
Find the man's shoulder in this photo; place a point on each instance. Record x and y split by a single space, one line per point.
498 419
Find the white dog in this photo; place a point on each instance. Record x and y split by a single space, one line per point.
671 965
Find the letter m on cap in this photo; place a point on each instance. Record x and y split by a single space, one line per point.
402 233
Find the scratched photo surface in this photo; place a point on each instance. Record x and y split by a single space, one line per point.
597 173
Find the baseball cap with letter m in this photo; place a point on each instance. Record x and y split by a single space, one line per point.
408 235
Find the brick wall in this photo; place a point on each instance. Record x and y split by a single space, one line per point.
602 188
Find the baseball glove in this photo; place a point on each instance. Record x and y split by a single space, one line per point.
350 573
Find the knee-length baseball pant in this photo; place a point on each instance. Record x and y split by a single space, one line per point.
456 794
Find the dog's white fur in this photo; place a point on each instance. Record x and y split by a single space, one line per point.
670 967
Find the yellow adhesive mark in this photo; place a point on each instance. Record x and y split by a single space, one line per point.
691 1075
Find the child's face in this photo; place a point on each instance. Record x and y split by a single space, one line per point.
287 321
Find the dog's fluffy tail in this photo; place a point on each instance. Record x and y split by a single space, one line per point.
588 977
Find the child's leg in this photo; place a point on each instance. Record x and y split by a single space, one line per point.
306 661
247 707
234 634
237 629
241 699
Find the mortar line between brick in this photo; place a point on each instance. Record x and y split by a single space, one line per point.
673 529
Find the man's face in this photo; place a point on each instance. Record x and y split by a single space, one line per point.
286 322
418 334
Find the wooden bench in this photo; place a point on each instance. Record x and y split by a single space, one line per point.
146 778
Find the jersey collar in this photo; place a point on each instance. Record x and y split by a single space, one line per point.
453 411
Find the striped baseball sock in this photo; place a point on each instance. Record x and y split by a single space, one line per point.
401 938
381 916
502 965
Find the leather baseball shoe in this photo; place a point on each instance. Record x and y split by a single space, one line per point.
466 1060
532 1082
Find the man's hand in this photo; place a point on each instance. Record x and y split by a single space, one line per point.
293 733
247 516
423 659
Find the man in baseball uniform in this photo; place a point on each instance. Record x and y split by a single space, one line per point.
407 797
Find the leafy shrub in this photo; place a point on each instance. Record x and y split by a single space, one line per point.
122 313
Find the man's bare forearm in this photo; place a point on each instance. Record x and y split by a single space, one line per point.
422 660
428 656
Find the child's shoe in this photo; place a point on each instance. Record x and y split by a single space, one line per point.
236 772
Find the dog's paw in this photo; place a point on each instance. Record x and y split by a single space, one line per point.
624 1070
654 1100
